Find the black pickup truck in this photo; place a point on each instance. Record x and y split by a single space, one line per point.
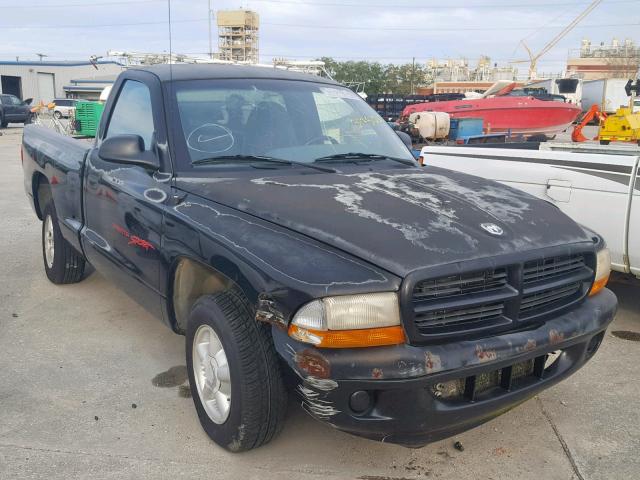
276 221
14 110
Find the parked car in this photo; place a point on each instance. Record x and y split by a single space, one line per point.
64 107
280 224
596 186
14 110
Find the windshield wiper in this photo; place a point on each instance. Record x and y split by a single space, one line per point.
367 157
257 158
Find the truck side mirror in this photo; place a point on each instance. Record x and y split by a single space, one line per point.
128 149
406 139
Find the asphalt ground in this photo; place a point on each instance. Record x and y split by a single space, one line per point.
91 386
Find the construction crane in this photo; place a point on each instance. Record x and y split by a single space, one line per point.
533 58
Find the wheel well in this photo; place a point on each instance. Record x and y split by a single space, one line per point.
190 281
41 193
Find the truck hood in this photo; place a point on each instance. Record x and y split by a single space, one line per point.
398 219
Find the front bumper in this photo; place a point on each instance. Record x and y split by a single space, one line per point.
419 394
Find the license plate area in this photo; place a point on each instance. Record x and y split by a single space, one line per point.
495 382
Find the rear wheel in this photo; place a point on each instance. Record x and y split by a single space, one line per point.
62 263
57 114
3 122
234 375
604 142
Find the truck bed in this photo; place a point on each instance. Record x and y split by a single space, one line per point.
59 161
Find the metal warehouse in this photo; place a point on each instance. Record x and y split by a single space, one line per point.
88 88
44 81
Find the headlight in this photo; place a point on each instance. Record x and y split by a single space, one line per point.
348 321
603 270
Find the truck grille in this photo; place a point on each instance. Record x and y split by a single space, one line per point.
551 283
473 303
448 303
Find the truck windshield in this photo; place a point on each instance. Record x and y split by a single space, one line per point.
299 121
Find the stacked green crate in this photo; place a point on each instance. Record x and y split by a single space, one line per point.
87 117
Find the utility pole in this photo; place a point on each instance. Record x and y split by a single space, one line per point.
209 13
413 69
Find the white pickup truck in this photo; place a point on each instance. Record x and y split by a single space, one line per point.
596 186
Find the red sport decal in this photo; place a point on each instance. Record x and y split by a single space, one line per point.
139 242
134 239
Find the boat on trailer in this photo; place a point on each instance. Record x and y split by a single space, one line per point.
501 112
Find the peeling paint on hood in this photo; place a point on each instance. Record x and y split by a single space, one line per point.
398 219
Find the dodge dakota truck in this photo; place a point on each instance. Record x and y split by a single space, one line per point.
275 220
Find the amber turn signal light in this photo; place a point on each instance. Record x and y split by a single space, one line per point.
603 271
365 337
598 285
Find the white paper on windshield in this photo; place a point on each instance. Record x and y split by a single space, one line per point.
334 92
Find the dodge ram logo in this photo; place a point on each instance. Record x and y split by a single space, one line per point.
492 228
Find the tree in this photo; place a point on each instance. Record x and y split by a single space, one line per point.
623 66
375 77
401 79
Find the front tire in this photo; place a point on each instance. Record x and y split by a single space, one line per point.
57 114
234 375
62 263
604 142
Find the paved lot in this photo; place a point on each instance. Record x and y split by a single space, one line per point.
75 359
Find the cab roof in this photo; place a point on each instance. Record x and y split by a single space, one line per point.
221 71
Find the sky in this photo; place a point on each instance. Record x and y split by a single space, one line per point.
375 30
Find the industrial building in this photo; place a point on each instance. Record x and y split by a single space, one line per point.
44 81
238 35
617 60
88 88
458 70
457 76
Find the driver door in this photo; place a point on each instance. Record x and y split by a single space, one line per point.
124 202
